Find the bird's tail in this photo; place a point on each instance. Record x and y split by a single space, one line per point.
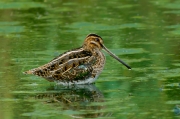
28 72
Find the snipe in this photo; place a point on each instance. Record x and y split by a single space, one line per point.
78 66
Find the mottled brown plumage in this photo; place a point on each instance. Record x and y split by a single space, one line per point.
79 66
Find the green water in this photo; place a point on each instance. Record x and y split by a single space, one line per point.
143 33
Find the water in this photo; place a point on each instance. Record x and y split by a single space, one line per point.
144 34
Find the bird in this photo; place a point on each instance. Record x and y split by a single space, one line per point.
82 65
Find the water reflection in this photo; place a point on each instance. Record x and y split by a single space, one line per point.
76 98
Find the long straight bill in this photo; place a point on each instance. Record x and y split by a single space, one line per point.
115 57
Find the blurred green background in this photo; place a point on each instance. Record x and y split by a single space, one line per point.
143 33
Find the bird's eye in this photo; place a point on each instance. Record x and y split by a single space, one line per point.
97 39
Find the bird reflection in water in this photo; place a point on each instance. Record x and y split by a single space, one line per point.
77 98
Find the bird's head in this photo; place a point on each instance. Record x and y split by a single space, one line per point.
94 43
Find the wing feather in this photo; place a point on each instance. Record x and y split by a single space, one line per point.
81 70
72 65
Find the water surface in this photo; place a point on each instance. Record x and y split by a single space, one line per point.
145 34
